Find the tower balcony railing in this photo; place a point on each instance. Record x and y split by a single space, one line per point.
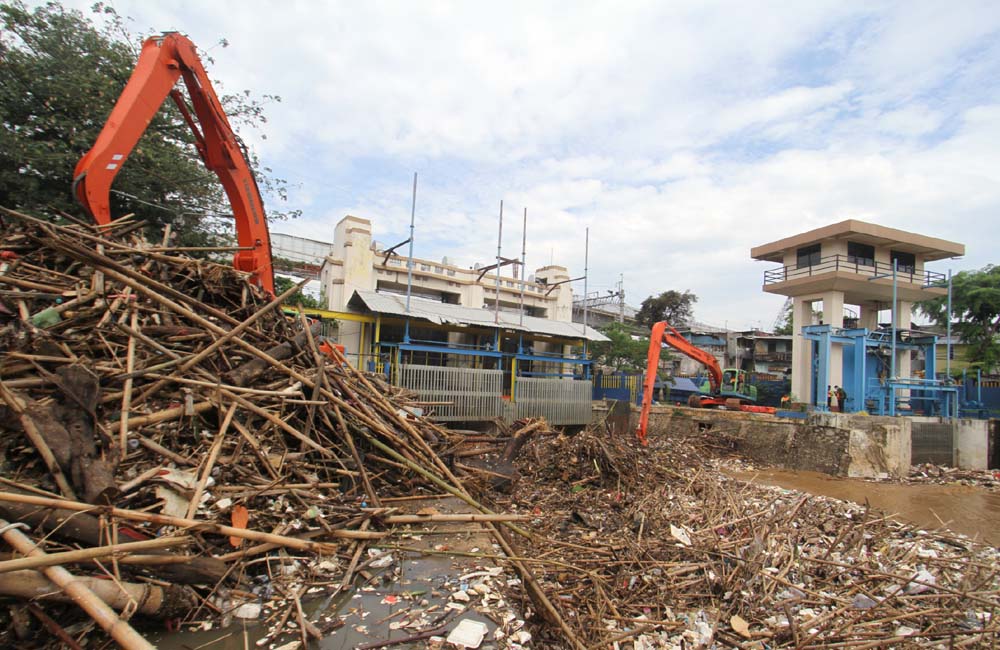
850 264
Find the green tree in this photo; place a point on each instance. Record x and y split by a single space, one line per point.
675 307
624 352
975 298
62 73
783 323
283 284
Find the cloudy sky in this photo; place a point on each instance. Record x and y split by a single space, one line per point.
681 133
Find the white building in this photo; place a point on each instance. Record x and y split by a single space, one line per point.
357 263
462 341
299 249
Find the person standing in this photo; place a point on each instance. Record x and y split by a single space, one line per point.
841 398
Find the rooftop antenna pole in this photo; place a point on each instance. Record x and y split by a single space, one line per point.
496 303
524 252
621 297
895 307
586 255
948 346
409 261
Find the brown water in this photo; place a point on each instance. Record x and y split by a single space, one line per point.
966 509
366 612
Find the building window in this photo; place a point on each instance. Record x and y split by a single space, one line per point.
451 272
425 267
807 256
905 262
772 346
438 269
860 254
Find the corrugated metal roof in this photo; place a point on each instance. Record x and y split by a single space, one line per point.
444 313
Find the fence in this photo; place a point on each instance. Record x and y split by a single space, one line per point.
617 386
473 395
468 394
560 401
982 400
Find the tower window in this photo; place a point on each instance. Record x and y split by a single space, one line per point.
807 256
860 253
905 262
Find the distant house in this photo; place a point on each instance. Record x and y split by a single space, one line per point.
713 340
772 354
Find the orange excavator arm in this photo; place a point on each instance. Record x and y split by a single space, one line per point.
664 333
162 61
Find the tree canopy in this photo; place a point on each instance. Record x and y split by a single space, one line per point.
675 307
783 323
975 297
283 284
623 353
62 74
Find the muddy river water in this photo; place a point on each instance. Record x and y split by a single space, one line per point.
966 509
414 582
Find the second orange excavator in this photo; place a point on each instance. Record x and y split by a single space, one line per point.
163 61
729 388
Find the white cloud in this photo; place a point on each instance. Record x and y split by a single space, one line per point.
913 120
682 134
787 104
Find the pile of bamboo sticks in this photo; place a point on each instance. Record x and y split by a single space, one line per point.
166 426
657 548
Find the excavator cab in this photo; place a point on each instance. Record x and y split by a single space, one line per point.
734 383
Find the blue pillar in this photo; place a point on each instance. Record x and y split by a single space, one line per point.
823 371
856 398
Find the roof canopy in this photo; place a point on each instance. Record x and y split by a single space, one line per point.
444 313
931 248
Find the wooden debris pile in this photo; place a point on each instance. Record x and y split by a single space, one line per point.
654 548
181 444
942 475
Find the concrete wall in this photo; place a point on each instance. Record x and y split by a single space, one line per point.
878 445
972 444
841 444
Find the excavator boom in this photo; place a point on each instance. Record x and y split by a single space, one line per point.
663 333
163 60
